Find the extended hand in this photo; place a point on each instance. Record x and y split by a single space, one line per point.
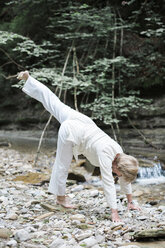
131 206
23 75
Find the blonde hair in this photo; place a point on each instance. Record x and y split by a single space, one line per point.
128 166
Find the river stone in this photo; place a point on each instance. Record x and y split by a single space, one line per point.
32 178
89 242
161 224
138 193
12 243
114 225
94 193
150 233
58 242
143 217
128 214
83 235
79 217
100 238
12 216
161 208
77 188
5 233
48 207
146 163
129 246
76 222
32 245
76 176
23 210
22 235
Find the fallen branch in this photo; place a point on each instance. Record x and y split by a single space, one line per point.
75 73
151 233
142 135
9 77
12 60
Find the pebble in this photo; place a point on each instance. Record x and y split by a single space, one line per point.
161 208
33 217
89 242
12 216
138 193
100 238
83 235
12 243
24 210
22 235
143 217
79 217
94 193
57 243
5 233
77 188
76 222
117 224
129 246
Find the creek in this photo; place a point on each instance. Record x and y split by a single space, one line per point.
151 175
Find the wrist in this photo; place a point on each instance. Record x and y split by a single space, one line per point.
26 75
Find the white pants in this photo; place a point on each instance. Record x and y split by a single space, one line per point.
62 113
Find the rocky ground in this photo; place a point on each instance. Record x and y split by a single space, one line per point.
29 216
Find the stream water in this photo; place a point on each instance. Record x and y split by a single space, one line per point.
151 175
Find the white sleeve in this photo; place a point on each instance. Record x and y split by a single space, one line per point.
108 181
126 187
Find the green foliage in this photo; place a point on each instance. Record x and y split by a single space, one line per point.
119 50
103 109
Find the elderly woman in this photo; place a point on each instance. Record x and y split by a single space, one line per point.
78 134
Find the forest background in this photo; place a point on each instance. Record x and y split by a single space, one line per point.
104 58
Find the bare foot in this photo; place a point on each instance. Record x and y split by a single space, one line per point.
23 75
65 202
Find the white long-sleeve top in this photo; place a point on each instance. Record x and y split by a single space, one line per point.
100 150
87 138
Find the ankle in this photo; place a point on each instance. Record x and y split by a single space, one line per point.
61 197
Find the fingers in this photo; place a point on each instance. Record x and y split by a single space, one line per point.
20 75
138 208
132 207
23 75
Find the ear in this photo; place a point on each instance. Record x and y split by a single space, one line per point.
117 155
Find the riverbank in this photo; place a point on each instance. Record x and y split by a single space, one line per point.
30 217
131 141
142 137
